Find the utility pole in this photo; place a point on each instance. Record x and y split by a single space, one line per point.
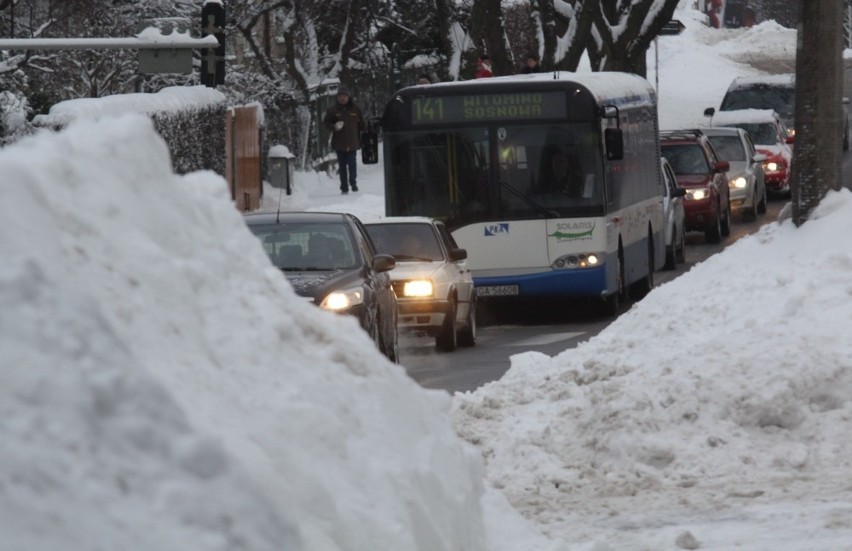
819 89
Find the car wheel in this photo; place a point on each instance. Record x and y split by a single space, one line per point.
447 339
681 249
713 234
671 252
761 206
751 213
467 336
726 221
391 349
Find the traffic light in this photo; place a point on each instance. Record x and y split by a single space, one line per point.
213 59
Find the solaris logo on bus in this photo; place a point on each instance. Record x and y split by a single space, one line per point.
571 231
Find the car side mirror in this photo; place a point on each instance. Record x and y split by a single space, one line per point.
679 192
458 254
845 100
789 139
722 166
383 262
710 111
759 157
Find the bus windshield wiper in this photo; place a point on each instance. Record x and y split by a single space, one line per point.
547 213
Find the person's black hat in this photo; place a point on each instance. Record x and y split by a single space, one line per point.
343 91
532 55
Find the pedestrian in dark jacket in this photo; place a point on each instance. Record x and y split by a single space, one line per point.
531 64
346 122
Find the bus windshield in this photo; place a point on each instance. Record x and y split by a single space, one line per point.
512 172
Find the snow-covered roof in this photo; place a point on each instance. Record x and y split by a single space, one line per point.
604 86
171 99
743 116
787 79
403 220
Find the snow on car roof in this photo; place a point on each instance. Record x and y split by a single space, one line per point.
743 116
402 220
787 79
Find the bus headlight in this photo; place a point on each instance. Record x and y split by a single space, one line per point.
572 261
341 300
738 183
697 194
418 288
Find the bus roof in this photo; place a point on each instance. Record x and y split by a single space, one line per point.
606 87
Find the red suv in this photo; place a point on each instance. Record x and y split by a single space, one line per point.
699 170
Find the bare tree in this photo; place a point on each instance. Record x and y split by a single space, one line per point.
623 32
817 153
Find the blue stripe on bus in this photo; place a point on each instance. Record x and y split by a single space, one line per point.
579 282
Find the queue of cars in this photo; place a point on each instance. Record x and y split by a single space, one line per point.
409 274
397 274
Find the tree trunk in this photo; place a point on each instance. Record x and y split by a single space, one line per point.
818 149
488 35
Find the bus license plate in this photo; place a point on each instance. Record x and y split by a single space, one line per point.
497 291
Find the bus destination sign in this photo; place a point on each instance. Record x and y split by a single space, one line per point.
488 107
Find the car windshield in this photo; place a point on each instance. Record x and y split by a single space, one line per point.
300 246
686 159
406 241
729 148
782 99
761 133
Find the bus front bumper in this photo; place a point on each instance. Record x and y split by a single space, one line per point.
566 283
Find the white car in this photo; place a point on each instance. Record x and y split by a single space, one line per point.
434 287
746 177
673 216
769 136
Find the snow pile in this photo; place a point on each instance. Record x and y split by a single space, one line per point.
728 381
168 100
164 388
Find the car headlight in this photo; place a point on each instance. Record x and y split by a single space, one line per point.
418 288
772 166
582 260
341 300
738 183
697 194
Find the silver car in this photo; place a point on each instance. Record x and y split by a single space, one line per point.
673 216
433 284
747 180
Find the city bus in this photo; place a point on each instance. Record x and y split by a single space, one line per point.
550 181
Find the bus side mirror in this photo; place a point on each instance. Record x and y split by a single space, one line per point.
370 144
614 141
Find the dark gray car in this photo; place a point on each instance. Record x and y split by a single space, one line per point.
329 258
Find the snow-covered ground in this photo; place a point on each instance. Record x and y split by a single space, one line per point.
163 388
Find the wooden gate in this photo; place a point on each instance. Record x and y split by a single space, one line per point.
242 161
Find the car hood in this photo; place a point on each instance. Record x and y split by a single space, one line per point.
406 270
317 285
693 180
775 152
